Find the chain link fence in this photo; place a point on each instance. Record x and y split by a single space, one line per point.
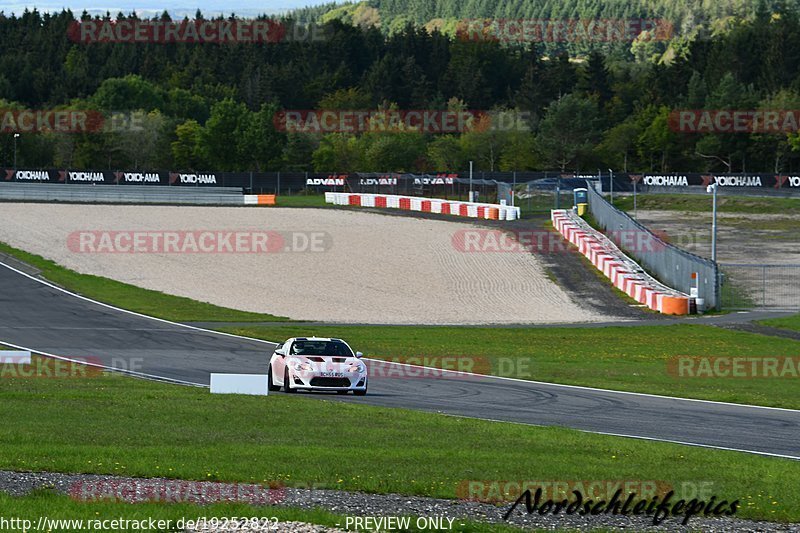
760 286
669 264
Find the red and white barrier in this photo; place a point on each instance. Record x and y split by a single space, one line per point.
623 271
425 205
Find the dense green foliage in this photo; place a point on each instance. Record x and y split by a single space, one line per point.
686 13
211 106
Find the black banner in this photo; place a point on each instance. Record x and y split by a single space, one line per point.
391 183
30 176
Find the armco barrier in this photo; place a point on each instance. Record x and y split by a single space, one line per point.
113 194
426 205
623 271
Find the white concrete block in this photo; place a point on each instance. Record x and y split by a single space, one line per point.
253 384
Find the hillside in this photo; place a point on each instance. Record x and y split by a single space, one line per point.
392 15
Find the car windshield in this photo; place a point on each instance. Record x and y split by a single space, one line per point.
329 348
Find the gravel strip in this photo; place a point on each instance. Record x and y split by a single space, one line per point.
358 504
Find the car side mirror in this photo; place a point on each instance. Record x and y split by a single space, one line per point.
359 355
281 352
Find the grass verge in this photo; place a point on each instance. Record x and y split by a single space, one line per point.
301 200
601 357
119 425
702 203
636 359
790 322
147 302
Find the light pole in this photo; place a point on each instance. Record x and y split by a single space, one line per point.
713 189
470 181
611 182
15 151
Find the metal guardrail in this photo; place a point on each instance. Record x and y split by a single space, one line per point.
128 194
666 262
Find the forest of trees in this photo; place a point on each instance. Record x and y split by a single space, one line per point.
211 107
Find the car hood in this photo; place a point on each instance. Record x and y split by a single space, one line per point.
324 361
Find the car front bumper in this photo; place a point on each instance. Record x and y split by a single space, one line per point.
315 381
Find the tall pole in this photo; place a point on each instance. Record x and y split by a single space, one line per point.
558 192
15 150
470 181
634 199
513 188
611 184
714 225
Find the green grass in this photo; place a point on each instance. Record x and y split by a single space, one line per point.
620 358
119 425
615 358
58 507
702 203
301 200
790 322
148 302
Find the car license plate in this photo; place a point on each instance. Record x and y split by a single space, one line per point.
331 374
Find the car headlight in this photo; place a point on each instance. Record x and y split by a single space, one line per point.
358 367
302 366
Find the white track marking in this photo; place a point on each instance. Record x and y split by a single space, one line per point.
556 385
518 380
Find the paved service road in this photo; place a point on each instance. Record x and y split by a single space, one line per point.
42 318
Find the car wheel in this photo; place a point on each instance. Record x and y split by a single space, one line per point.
270 385
286 387
360 392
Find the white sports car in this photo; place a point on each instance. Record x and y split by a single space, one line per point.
313 363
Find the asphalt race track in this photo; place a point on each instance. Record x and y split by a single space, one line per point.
44 319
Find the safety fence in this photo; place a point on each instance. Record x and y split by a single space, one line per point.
676 268
753 286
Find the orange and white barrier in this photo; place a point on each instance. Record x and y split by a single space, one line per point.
623 271
425 205
259 199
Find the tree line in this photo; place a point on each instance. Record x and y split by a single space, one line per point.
212 106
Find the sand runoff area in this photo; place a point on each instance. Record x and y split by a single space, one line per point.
305 264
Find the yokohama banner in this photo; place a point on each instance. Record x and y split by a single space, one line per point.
389 183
